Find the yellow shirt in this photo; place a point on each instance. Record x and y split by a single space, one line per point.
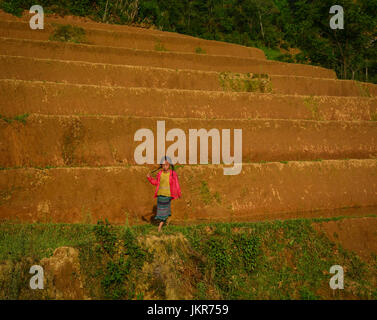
164 189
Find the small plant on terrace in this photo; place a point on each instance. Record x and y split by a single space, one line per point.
68 33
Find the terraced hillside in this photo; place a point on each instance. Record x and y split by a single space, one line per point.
70 111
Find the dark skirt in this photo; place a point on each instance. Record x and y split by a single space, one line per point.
163 208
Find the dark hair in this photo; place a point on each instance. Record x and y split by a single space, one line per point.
166 159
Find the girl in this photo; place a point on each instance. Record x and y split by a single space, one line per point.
166 190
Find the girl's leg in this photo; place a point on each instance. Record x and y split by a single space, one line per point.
160 226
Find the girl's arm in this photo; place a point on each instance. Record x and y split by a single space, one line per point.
152 180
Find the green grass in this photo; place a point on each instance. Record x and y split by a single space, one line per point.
40 240
271 54
266 260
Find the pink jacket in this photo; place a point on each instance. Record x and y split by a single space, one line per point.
175 190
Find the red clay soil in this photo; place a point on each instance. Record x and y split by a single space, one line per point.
259 192
322 87
357 234
25 68
68 99
109 140
114 55
137 40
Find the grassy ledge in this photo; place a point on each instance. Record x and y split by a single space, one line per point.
267 260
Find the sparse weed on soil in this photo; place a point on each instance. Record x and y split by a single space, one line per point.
363 89
248 82
206 196
68 33
20 118
160 46
312 105
199 50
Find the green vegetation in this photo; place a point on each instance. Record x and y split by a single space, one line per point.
40 240
245 82
68 33
271 54
269 260
231 258
199 50
206 195
71 140
312 105
20 118
159 46
271 25
13 7
364 90
118 258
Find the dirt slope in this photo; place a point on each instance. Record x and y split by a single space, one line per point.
77 107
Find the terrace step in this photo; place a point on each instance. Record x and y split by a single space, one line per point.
65 99
173 60
109 140
86 102
90 24
271 190
136 40
25 68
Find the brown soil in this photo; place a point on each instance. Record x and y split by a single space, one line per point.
357 235
62 275
322 87
128 38
260 192
109 140
78 123
174 60
25 68
68 99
